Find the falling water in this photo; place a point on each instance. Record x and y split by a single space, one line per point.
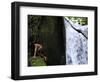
76 43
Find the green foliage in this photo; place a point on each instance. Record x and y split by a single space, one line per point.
33 21
33 24
80 20
38 61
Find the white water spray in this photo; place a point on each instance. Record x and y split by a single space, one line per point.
76 43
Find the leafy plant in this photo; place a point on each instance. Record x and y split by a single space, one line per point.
79 20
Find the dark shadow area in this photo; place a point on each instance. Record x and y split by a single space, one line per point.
48 32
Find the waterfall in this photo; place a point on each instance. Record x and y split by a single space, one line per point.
76 43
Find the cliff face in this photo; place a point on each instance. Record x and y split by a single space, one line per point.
51 35
49 32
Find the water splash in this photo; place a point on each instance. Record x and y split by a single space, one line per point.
76 43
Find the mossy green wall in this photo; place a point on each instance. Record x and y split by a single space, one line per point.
50 33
